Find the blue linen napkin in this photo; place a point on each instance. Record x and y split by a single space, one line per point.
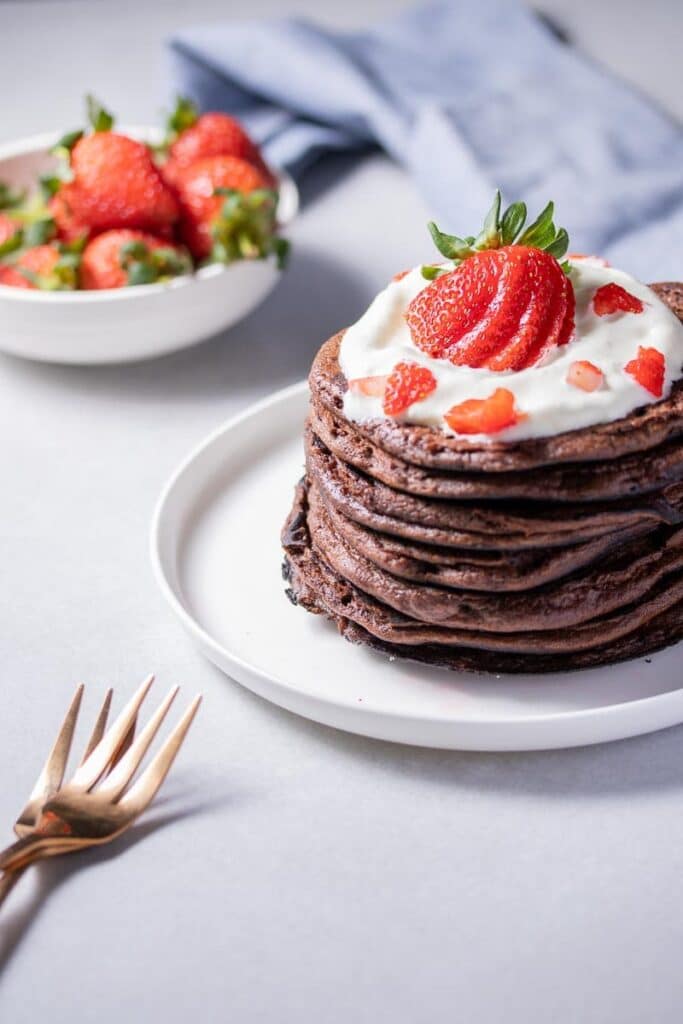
468 95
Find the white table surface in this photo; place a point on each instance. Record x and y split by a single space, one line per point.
290 872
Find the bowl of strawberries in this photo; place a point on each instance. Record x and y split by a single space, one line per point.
125 244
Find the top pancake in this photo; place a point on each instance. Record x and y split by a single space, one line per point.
644 429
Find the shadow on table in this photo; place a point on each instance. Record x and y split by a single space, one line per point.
50 874
269 349
644 764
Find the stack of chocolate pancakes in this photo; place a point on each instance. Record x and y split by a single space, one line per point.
536 555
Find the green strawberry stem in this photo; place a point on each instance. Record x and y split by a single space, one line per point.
10 197
183 115
144 265
498 231
246 228
99 119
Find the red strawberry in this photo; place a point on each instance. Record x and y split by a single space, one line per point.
122 257
61 207
612 298
370 387
648 370
10 276
501 308
485 415
585 375
212 134
407 383
43 267
9 229
202 208
116 185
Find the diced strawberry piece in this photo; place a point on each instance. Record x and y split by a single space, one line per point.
401 274
407 383
585 375
612 298
485 415
370 387
648 370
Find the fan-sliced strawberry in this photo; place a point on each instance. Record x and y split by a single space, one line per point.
648 370
500 308
407 383
585 375
369 387
612 298
485 415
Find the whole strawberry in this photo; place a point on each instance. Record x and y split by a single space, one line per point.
10 234
114 183
45 267
212 134
119 258
227 209
503 305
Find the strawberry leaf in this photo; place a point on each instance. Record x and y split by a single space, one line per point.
99 118
513 222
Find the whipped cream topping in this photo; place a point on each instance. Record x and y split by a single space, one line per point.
381 339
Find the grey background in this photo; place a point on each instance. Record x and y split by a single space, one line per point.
290 872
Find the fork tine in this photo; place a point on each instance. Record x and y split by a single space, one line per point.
94 767
141 794
53 770
100 725
119 778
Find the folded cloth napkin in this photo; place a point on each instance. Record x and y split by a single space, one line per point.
468 95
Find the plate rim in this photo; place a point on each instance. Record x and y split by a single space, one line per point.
622 712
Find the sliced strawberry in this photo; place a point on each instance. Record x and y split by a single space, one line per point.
370 387
648 370
407 383
500 308
612 298
585 375
485 415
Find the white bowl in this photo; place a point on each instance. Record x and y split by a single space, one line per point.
125 324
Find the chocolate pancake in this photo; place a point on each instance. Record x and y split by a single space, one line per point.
628 475
465 569
483 526
630 631
623 578
642 430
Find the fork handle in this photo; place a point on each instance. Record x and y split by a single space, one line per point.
8 879
24 851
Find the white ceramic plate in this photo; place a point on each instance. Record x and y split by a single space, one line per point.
126 324
217 556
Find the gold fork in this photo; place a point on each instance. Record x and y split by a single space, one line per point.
52 774
64 818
